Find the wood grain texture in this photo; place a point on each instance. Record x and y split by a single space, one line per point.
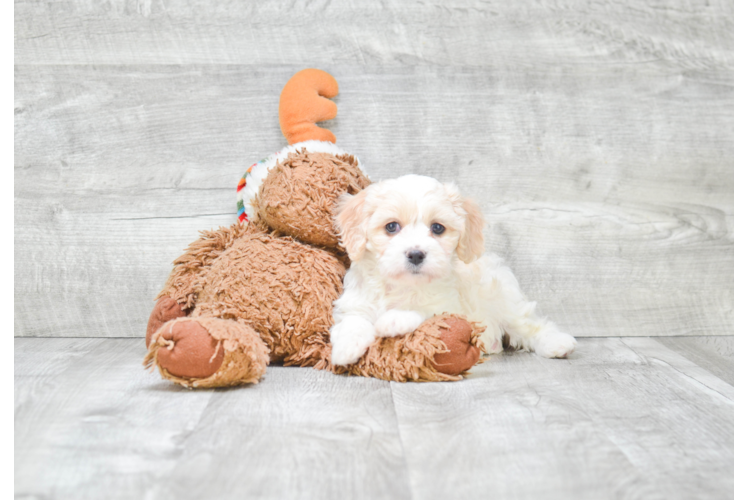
109 430
300 433
714 354
616 225
390 32
91 423
622 418
597 138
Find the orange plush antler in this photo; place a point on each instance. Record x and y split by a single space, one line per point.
303 102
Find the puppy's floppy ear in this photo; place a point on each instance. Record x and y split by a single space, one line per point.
471 243
350 222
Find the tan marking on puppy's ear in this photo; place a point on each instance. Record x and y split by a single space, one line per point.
350 222
471 244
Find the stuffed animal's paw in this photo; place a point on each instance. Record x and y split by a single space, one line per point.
188 350
208 352
462 352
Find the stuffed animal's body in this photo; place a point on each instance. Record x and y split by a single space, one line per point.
262 290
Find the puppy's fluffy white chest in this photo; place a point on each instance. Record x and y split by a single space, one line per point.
420 294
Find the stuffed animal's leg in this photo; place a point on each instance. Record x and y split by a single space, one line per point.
441 348
198 256
208 352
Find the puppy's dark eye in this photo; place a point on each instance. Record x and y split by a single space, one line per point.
437 228
392 227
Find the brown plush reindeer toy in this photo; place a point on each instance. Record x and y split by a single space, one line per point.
262 290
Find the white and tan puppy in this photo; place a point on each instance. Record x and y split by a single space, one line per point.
416 250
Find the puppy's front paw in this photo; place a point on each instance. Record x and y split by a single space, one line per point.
350 339
396 322
554 344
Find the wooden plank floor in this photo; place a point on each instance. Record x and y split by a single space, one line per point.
622 418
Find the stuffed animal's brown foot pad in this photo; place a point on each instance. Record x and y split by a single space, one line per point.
208 352
165 310
463 351
442 348
189 351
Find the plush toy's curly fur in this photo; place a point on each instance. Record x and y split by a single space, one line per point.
262 290
281 287
298 196
423 355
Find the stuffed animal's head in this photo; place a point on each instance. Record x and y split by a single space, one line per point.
295 191
299 195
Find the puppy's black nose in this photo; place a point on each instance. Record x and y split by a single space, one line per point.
415 257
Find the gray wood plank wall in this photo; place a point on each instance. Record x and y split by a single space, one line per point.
598 137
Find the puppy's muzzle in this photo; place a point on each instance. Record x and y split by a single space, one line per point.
416 257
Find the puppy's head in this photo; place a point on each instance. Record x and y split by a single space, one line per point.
412 227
